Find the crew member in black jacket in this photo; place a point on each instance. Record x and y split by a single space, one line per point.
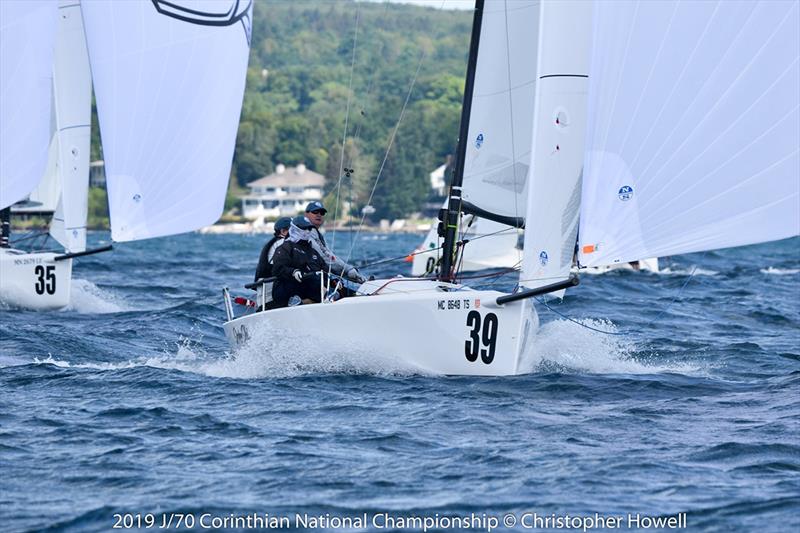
296 264
264 268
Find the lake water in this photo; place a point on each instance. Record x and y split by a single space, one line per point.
131 401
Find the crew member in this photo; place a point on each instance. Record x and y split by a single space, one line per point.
264 268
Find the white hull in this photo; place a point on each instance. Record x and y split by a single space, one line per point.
34 280
461 332
650 265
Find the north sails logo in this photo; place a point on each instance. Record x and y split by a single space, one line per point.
479 141
543 258
625 193
229 13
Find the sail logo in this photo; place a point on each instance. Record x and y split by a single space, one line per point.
479 141
543 259
625 193
229 13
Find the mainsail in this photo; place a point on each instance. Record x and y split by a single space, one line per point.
694 128
27 33
72 84
498 146
558 143
169 81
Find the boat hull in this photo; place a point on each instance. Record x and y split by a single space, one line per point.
34 280
451 333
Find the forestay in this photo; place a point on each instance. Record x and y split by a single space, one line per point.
498 150
27 33
169 81
558 143
694 129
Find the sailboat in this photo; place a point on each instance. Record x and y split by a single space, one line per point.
169 83
664 127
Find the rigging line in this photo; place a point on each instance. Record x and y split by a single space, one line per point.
388 149
620 333
511 112
346 120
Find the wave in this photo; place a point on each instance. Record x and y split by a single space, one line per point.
780 271
86 297
268 354
687 271
563 345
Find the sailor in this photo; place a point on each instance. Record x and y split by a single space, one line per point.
264 268
315 212
297 264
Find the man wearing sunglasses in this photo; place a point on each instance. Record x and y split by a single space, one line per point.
315 212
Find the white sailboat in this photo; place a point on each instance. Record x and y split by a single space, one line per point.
169 81
42 280
693 135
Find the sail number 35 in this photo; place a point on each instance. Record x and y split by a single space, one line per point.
482 337
45 279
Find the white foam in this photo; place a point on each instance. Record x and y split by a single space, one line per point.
687 271
779 271
267 354
572 347
86 297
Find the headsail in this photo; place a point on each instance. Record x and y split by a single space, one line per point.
694 128
169 81
558 143
27 33
498 146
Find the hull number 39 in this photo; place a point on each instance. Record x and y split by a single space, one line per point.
482 337
45 279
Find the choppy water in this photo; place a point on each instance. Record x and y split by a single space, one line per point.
131 401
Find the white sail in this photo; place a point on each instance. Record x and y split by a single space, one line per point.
27 33
72 85
558 143
169 81
44 198
694 128
498 150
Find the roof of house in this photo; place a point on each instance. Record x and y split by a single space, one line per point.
298 176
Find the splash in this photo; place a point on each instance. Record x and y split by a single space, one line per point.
86 297
568 346
268 354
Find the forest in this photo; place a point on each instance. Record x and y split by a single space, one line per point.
316 66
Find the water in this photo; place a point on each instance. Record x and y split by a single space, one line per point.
131 402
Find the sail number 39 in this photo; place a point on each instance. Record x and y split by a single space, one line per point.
45 279
482 337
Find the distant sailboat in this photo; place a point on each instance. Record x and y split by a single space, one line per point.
169 81
691 111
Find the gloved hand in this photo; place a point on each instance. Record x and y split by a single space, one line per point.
355 275
298 276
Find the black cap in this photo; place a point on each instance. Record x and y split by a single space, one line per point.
316 206
283 223
302 222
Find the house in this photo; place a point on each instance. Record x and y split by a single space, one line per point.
437 180
286 192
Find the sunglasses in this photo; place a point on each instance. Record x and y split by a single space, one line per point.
318 212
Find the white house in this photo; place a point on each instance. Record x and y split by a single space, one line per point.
284 193
437 180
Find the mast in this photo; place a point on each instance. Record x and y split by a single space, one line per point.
450 221
5 227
